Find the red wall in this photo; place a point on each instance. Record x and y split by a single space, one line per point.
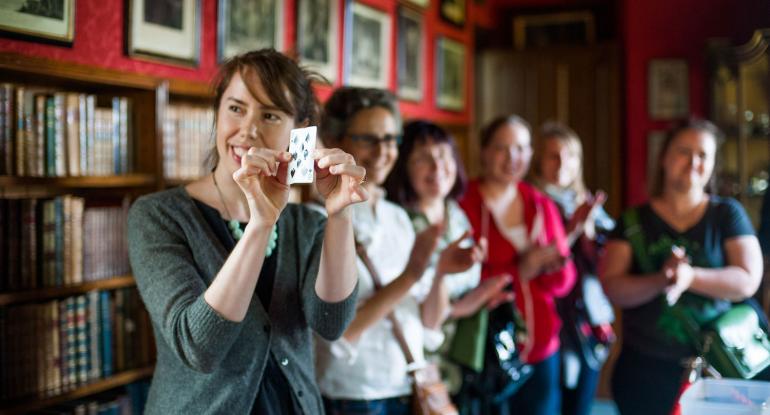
99 32
672 29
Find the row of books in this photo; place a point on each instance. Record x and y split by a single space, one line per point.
126 400
187 140
54 347
59 241
50 133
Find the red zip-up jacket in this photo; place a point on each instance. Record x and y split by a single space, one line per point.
534 299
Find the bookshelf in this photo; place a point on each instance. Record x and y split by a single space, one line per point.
140 173
111 382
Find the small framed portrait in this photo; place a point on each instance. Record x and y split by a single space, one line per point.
48 21
669 92
367 46
176 22
450 74
317 34
453 11
410 39
423 4
246 25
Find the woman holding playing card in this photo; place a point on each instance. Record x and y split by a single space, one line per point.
527 241
366 370
235 278
684 248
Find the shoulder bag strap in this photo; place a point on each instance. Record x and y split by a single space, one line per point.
397 331
635 235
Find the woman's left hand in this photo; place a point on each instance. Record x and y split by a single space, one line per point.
454 258
338 179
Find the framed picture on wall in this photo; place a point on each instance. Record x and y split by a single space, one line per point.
668 85
246 25
554 29
49 21
453 11
317 34
423 4
176 22
367 48
410 54
450 74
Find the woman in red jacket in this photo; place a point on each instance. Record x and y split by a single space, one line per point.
526 240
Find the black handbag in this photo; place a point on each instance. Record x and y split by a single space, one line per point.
504 371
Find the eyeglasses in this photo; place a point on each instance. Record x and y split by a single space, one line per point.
372 140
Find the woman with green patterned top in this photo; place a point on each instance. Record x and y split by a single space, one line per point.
696 250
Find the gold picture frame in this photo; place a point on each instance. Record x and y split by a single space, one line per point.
52 23
539 30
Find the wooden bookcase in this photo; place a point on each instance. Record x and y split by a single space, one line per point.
149 97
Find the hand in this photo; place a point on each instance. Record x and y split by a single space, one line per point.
454 259
540 260
262 178
679 272
582 220
339 179
424 245
491 292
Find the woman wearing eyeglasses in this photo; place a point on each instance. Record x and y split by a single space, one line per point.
366 371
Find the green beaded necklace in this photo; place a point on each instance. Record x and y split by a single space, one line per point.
235 227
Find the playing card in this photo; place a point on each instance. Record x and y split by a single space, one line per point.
301 147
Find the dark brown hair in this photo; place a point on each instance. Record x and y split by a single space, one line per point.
398 184
346 102
491 128
697 124
287 85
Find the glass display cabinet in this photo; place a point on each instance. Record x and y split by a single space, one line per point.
740 106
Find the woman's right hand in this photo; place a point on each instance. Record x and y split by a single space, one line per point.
425 244
540 260
454 258
262 178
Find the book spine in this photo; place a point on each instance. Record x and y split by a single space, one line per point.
95 328
73 135
81 329
59 242
59 121
106 334
14 244
20 133
50 137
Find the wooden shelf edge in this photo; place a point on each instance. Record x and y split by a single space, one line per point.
98 386
190 88
128 180
75 71
17 297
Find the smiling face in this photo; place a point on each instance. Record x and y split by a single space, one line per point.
560 162
432 169
378 159
689 160
506 157
247 120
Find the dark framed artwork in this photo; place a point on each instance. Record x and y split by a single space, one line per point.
367 46
554 29
453 11
50 21
175 22
317 36
669 91
246 25
410 38
450 74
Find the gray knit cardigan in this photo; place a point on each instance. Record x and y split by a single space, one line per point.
207 364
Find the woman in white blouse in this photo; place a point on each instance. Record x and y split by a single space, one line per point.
366 371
